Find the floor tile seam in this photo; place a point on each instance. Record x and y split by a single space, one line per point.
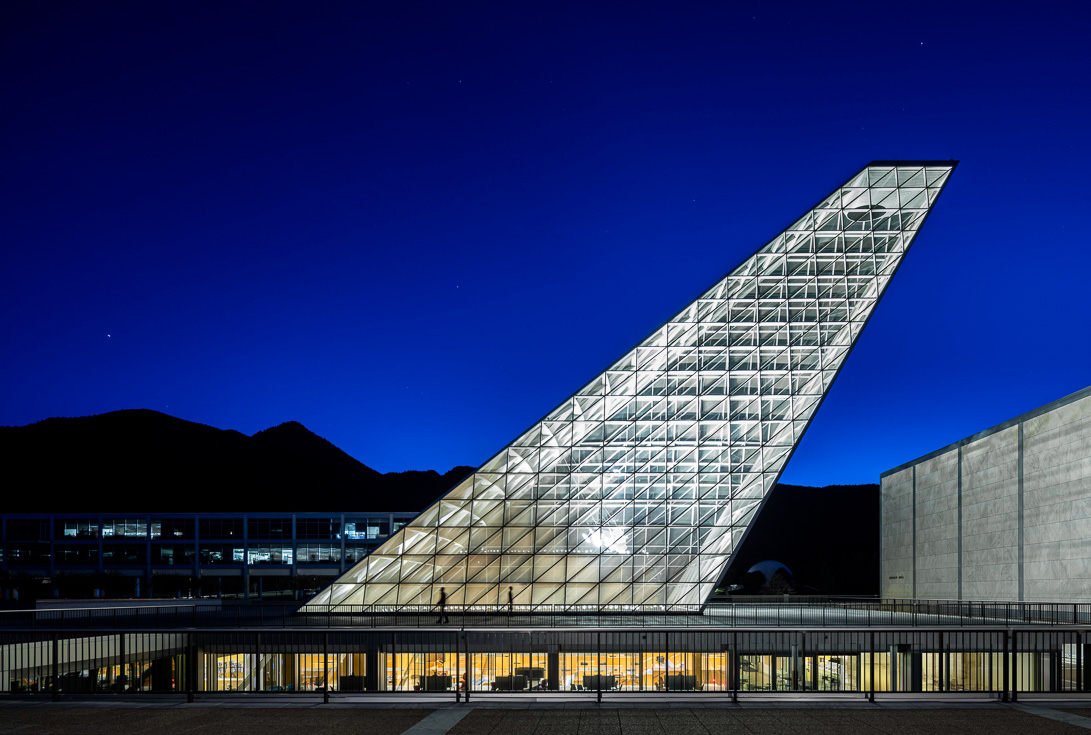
438 722
1053 714
664 725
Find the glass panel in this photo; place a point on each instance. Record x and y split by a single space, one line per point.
131 528
71 529
736 375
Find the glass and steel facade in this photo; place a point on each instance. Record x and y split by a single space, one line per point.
636 490
220 553
943 649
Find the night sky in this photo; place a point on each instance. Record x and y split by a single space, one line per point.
416 228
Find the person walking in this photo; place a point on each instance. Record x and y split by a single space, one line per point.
511 600
442 607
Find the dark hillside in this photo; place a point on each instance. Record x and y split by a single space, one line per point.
146 461
828 537
142 460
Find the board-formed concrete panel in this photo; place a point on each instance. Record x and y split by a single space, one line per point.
990 516
1057 502
937 527
896 537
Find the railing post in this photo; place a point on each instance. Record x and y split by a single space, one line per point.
943 685
458 672
326 669
1079 661
802 673
735 664
598 664
871 667
1006 663
1014 666
56 668
191 673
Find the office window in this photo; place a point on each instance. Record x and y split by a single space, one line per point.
124 554
172 528
173 554
357 552
355 528
28 554
221 554
268 554
366 528
77 554
80 528
125 528
227 528
318 554
269 528
28 529
323 529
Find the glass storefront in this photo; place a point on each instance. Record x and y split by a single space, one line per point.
282 672
422 672
489 661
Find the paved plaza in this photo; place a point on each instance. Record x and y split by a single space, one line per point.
579 718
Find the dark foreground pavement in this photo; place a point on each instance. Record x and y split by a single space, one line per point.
250 719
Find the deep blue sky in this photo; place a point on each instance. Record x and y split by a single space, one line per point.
415 228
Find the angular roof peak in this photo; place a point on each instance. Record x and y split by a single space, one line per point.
637 489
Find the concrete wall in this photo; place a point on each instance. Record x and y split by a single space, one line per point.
1057 503
990 517
1002 515
896 540
936 521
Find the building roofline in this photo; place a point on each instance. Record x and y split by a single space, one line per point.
952 163
1071 398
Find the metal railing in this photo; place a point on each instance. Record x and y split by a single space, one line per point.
771 614
468 663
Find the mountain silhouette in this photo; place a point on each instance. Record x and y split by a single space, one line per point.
827 536
146 461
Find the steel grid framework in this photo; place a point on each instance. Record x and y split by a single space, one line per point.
637 489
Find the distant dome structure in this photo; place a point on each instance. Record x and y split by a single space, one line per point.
769 568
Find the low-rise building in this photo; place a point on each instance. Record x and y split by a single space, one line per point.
200 554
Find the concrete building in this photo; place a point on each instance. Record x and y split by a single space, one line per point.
1004 514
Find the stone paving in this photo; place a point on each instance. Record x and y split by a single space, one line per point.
223 720
707 721
263 719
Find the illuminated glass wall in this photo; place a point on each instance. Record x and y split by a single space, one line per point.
637 489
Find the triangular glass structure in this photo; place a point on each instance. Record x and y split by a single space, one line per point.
636 490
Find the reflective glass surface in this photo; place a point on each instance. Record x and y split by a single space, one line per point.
637 489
